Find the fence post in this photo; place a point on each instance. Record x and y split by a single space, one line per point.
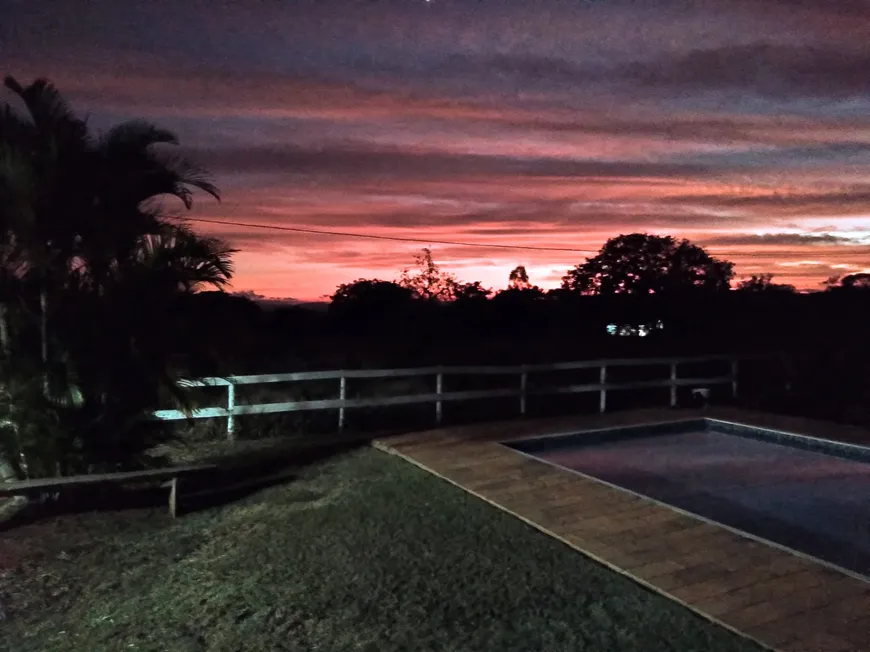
342 396
734 378
523 384
439 389
673 384
602 398
231 406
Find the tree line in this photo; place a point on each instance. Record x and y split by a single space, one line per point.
634 281
637 264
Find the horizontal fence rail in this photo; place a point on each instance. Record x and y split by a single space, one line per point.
521 390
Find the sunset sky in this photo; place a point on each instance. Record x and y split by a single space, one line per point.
743 125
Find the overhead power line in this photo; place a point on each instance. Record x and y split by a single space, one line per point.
298 229
371 236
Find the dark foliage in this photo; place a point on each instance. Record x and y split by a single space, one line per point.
94 275
648 264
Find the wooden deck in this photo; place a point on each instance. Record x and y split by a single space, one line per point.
782 600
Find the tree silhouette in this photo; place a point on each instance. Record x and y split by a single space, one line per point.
85 242
429 282
859 281
518 298
371 293
518 279
464 292
763 283
78 202
372 306
644 264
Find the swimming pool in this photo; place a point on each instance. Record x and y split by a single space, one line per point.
807 494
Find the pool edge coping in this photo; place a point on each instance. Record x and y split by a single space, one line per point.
452 453
797 435
706 420
390 450
506 443
746 535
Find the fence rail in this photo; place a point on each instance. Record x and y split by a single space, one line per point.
521 391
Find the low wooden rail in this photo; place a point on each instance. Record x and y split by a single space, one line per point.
167 477
522 389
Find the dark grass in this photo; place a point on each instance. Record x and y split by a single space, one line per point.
361 552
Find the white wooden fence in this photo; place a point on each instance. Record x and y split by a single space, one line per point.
521 390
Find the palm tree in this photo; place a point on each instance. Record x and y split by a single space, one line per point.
78 200
81 219
133 173
134 315
52 149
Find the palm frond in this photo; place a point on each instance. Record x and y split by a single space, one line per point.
47 107
135 136
152 174
186 175
182 398
64 386
186 260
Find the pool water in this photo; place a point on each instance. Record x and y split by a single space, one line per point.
813 502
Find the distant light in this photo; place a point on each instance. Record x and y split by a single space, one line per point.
634 330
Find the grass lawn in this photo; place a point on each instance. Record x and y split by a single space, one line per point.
362 552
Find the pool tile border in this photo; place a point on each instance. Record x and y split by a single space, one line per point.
795 440
812 444
781 600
